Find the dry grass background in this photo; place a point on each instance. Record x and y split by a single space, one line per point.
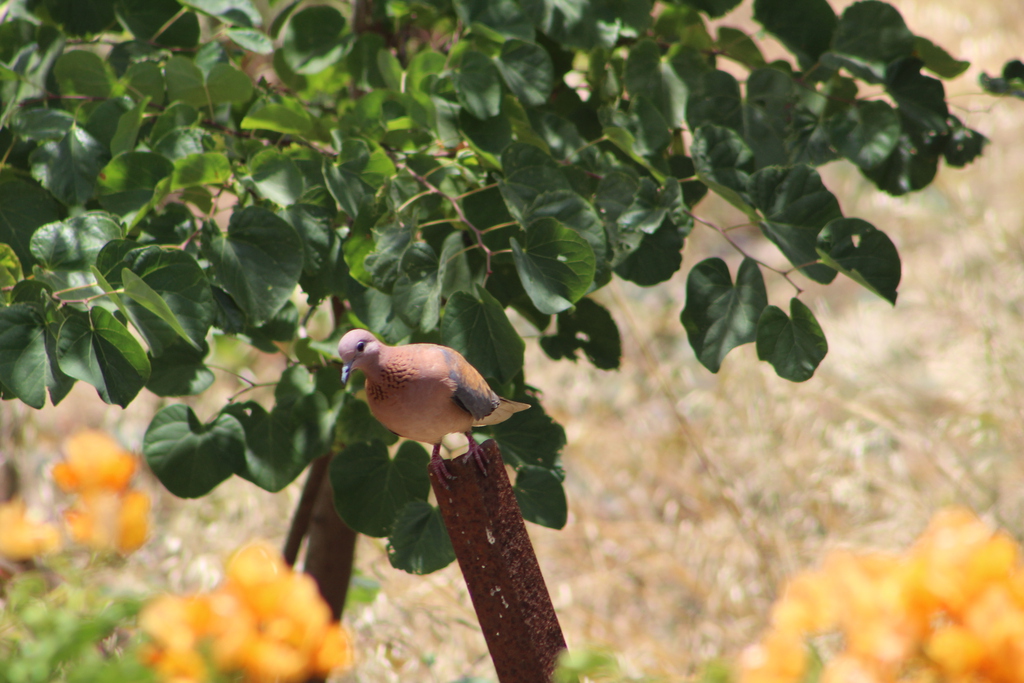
914 408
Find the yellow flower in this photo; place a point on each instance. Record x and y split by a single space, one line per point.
21 537
94 462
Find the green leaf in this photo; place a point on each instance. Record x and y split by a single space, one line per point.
857 249
272 458
715 102
530 437
719 316
655 259
590 327
540 496
646 74
42 124
489 136
169 294
920 98
225 83
277 177
796 206
74 243
419 543
206 168
146 79
908 168
23 208
964 144
417 291
528 71
258 261
794 346
503 16
370 489
146 18
356 423
136 289
287 116
186 83
937 60
251 40
870 34
738 46
180 371
80 72
313 39
573 211
477 327
10 268
478 85
865 133
127 133
767 113
724 163
28 365
95 348
555 264
805 27
69 168
652 205
188 457
129 182
236 12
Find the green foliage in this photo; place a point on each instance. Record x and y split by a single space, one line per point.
67 634
153 193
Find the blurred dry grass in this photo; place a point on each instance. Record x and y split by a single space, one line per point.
914 408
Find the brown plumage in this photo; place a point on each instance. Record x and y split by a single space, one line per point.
424 391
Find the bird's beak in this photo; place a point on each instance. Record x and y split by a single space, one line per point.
346 370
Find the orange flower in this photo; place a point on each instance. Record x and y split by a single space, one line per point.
265 621
110 521
94 461
21 537
949 609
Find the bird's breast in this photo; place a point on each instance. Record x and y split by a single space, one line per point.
416 406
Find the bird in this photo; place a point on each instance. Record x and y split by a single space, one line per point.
424 392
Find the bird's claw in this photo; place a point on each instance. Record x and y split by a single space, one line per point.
476 451
440 470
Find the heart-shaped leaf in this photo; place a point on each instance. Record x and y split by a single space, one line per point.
720 316
555 264
96 348
258 261
794 346
370 488
540 496
188 457
420 543
857 249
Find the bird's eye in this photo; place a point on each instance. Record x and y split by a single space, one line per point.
360 346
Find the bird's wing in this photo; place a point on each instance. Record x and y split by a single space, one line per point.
471 392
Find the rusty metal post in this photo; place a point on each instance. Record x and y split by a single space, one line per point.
500 569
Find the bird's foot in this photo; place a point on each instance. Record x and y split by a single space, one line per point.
476 451
438 467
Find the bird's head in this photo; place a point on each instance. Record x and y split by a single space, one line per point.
358 348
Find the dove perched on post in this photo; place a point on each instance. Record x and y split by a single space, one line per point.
423 392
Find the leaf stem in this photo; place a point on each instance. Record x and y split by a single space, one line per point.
721 231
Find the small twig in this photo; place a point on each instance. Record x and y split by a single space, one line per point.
458 210
785 274
479 189
180 13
